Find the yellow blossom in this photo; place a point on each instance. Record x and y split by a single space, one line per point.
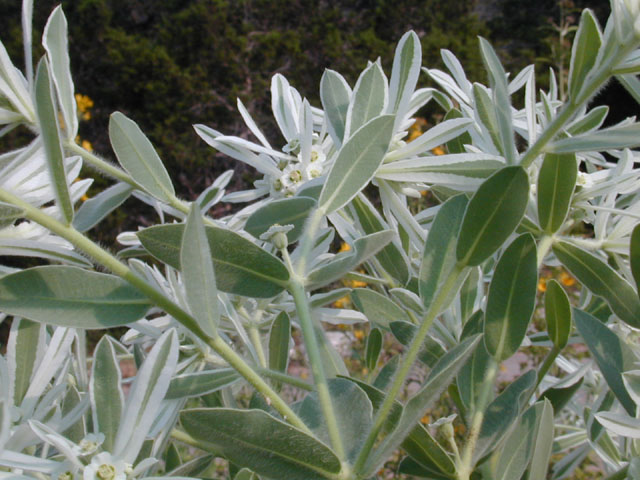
438 151
345 247
341 302
542 285
567 280
426 420
85 104
86 144
359 334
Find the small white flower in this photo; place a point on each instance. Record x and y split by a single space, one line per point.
89 444
104 467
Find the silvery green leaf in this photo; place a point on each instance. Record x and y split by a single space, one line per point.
54 40
138 157
602 280
283 107
27 36
30 463
631 65
287 211
404 74
363 249
240 144
631 381
105 391
485 113
391 257
369 98
432 138
620 424
201 383
46 111
257 440
214 192
439 253
531 109
472 375
248 120
25 346
339 316
145 396
335 95
634 255
439 378
42 249
455 67
7 116
326 298
70 296
356 163
501 99
627 136
586 45
511 298
198 275
263 164
556 183
241 266
493 213
379 309
97 208
591 121
611 354
14 86
519 446
353 410
450 86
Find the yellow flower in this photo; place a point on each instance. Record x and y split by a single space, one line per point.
359 334
86 144
341 302
542 285
438 151
345 247
567 280
84 105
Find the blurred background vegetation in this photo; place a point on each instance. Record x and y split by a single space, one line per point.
174 63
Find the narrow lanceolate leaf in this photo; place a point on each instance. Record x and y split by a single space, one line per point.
368 99
335 94
627 136
145 396
431 350
9 214
47 113
485 113
543 444
22 353
138 157
373 348
602 280
198 275
356 163
634 255
439 255
241 267
97 208
404 74
556 182
390 257
201 383
511 298
439 378
378 308
54 40
557 311
501 100
279 339
591 121
472 374
71 297
622 425
584 52
287 211
515 455
493 213
105 392
612 355
260 442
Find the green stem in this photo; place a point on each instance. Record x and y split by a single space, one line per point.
544 245
546 365
104 258
465 467
405 366
311 228
284 378
254 335
299 294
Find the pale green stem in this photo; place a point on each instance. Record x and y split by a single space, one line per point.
405 366
187 439
548 361
301 300
104 258
254 335
311 228
544 245
465 467
604 73
284 378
